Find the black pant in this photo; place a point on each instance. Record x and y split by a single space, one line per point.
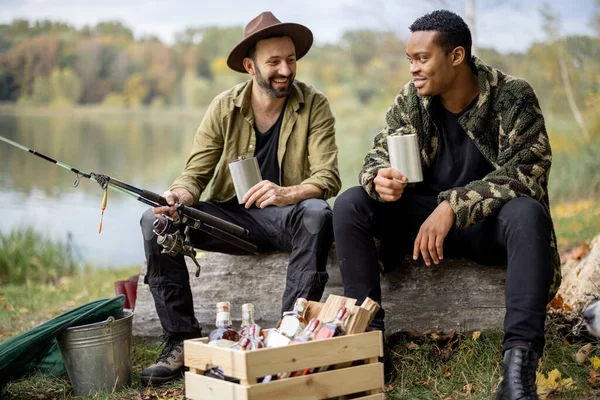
519 236
304 230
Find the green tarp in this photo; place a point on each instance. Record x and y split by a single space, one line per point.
37 349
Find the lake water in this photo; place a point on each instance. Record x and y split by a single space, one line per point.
147 151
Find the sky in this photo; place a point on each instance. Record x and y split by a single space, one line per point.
506 25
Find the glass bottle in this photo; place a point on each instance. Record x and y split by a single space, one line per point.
308 333
293 322
333 328
248 320
223 330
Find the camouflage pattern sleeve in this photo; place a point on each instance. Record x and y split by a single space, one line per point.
378 157
523 163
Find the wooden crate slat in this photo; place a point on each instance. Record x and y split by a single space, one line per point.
313 310
323 385
317 353
200 387
333 305
199 355
361 316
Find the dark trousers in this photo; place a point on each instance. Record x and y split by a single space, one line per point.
304 230
519 237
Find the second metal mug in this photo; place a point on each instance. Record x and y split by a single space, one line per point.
404 156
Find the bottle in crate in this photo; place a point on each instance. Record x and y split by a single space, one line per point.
223 331
248 320
251 341
308 333
333 328
293 322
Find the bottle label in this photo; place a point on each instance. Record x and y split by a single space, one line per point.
291 326
223 319
276 339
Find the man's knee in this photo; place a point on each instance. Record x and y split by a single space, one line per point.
525 213
349 204
146 222
316 215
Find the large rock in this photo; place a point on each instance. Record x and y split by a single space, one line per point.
457 294
580 283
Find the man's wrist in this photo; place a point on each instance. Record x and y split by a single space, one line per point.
184 196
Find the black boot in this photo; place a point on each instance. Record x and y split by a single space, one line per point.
520 364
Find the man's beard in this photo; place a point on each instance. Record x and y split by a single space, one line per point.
267 85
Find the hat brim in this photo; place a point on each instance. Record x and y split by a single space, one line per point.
300 35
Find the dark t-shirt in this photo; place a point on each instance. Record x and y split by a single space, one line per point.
458 161
266 150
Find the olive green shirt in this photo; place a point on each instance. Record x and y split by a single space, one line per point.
307 153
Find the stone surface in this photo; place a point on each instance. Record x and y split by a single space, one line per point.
580 283
457 294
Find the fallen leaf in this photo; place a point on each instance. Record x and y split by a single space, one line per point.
557 302
576 253
468 388
446 371
583 353
2 299
413 346
566 343
552 384
595 362
594 378
476 335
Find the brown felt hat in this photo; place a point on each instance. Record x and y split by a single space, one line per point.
264 26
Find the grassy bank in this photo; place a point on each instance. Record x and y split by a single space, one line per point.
28 256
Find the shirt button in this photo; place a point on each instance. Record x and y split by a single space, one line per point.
251 146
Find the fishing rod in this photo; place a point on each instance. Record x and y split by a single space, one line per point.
172 234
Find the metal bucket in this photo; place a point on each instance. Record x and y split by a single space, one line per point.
98 356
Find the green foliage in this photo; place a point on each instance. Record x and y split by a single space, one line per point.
65 86
136 90
114 100
27 256
42 91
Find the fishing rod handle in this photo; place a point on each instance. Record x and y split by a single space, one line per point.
199 215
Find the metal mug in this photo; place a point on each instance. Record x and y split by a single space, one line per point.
245 173
404 156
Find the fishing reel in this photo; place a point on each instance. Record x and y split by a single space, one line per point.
174 237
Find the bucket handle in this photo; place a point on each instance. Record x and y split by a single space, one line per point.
108 326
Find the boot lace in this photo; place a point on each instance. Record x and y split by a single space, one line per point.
170 346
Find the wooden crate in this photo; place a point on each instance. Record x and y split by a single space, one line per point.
364 381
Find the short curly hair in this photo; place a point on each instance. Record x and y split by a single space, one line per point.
452 30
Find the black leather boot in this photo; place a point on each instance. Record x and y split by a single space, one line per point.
520 364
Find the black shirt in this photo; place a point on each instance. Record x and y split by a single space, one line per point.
266 150
458 161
